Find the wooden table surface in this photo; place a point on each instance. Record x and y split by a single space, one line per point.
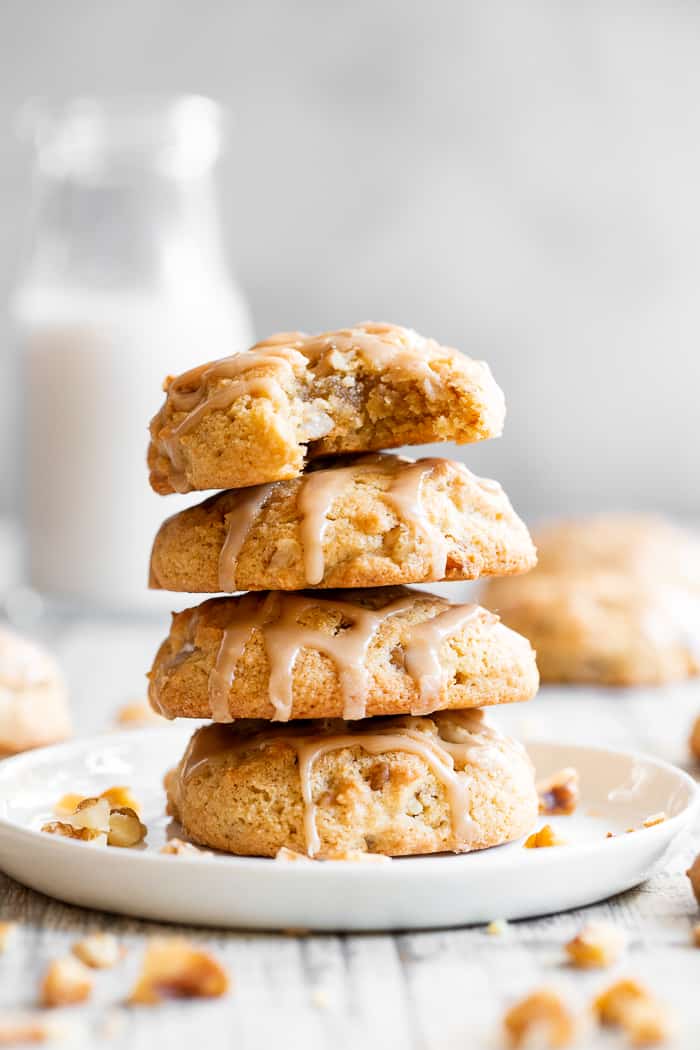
414 991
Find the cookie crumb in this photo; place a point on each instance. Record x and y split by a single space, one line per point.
541 1018
99 951
497 927
290 856
174 968
17 1029
695 934
66 981
655 818
138 714
559 793
179 848
596 946
546 836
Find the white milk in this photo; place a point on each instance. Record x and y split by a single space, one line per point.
93 370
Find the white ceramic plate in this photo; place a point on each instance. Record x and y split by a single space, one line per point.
619 790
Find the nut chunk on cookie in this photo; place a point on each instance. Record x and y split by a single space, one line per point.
258 415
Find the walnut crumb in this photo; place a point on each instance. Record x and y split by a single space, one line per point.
542 1018
174 968
627 1004
8 932
597 945
546 836
497 927
655 818
179 848
17 1029
559 793
99 951
66 981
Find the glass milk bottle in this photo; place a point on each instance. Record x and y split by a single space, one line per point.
125 283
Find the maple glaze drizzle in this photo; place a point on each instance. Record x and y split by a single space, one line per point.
279 620
444 741
317 493
217 385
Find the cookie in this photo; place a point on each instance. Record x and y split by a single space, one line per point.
603 627
643 544
349 654
257 416
33 696
393 786
365 522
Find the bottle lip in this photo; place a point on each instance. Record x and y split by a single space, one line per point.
89 136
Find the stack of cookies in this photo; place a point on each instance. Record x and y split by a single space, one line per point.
346 707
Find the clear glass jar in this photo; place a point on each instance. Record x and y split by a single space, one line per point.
125 282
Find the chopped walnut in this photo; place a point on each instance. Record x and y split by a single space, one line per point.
559 794
67 804
119 796
694 741
137 714
8 932
179 848
693 874
175 968
546 836
100 951
67 831
66 981
125 828
597 945
629 1005
541 1017
91 813
17 1029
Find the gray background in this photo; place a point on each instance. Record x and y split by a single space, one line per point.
521 180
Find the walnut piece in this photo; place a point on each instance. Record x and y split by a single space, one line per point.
125 828
67 804
629 1005
596 946
693 874
91 813
541 1018
99 951
174 968
694 740
58 827
119 796
66 981
559 794
8 932
546 836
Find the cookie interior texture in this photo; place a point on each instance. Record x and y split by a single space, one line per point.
394 786
475 659
258 416
365 521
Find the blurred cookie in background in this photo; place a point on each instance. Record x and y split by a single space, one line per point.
33 696
614 600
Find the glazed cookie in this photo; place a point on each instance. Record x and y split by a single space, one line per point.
257 416
648 545
393 786
33 698
367 522
603 627
350 654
